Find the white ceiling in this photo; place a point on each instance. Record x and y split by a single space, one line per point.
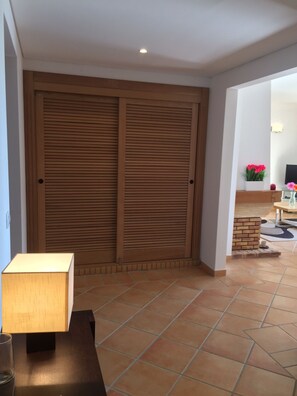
198 37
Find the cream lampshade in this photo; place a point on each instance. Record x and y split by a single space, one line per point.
37 293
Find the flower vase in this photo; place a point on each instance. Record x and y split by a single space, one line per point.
292 201
254 185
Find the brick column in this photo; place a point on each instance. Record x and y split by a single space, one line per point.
246 233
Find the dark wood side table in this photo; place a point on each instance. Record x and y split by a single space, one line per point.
71 370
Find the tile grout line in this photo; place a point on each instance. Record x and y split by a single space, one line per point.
198 349
140 309
177 316
131 317
254 343
202 344
157 336
97 345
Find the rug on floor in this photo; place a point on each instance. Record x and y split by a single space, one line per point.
284 233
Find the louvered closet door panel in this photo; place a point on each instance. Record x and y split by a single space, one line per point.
160 147
77 158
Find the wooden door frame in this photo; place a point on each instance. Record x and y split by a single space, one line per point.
38 81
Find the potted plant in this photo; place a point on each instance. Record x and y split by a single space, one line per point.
254 177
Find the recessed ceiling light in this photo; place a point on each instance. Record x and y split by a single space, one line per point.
143 50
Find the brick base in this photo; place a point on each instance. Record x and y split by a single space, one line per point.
246 233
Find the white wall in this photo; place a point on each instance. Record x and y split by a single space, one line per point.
7 27
254 130
283 145
4 191
122 74
219 189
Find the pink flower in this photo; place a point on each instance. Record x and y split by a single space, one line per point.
291 186
251 166
255 172
260 168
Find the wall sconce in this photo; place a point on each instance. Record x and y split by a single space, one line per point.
277 127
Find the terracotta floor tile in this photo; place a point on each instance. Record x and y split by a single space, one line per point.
80 290
181 292
272 339
289 280
112 392
138 276
255 296
290 329
104 328
278 316
261 359
151 287
199 282
287 291
80 281
218 284
150 321
118 298
207 299
247 310
190 387
117 312
258 382
287 259
188 333
144 379
228 345
201 315
267 276
268 266
215 370
112 364
291 271
161 275
129 341
293 371
135 297
236 325
286 358
167 306
117 278
169 355
267 287
240 278
189 272
94 280
110 291
88 301
285 303
226 291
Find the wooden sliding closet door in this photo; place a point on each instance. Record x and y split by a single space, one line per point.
77 141
156 189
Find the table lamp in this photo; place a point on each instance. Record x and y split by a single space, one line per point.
37 297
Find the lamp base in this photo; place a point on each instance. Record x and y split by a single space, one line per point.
38 342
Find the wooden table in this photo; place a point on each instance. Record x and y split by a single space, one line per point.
71 370
284 207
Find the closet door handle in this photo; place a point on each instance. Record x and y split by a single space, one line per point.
191 181
40 181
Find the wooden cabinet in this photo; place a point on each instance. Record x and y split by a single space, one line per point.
113 168
77 149
157 193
